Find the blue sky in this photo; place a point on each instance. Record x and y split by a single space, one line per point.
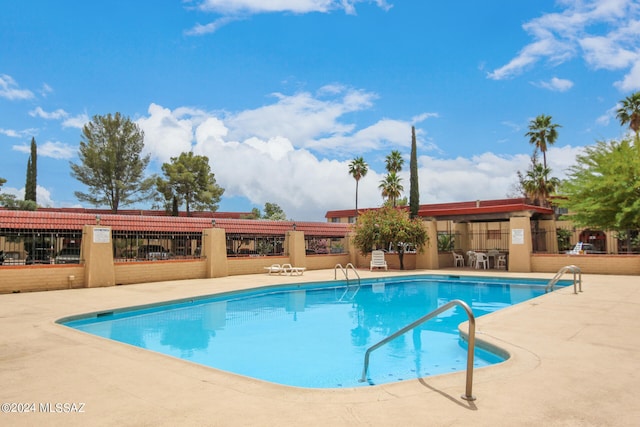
281 95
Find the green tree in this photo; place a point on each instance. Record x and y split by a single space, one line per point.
273 212
542 133
394 162
10 201
31 184
379 228
603 189
629 113
414 191
111 164
190 181
358 169
391 188
537 184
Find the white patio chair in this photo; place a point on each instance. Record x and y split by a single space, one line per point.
457 259
471 256
377 260
501 262
482 259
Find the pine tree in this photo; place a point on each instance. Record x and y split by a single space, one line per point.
414 192
32 173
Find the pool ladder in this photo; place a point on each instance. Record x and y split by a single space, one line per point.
471 339
345 270
577 280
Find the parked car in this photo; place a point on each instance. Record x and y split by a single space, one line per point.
152 252
70 255
39 256
13 258
588 248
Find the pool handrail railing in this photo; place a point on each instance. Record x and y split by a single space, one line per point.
471 339
576 280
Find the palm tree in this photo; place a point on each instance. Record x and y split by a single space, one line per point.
391 187
358 168
536 183
542 133
630 113
394 161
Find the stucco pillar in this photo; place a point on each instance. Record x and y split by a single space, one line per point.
97 252
520 245
294 241
461 230
428 258
214 249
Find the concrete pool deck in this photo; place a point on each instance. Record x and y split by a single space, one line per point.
575 361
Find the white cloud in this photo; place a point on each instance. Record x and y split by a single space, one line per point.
233 10
76 122
55 150
54 115
605 33
261 160
67 121
167 133
18 133
9 89
556 84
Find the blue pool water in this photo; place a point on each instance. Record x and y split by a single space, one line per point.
315 335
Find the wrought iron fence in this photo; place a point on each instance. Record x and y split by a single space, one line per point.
239 245
148 246
323 245
563 239
26 246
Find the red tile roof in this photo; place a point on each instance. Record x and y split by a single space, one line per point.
447 210
47 220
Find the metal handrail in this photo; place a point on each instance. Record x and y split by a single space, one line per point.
571 268
345 270
471 337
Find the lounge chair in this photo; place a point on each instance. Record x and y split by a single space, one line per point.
289 269
274 268
577 249
457 259
377 260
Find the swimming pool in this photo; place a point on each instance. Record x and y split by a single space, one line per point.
316 334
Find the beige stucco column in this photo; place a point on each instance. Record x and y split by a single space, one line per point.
461 230
214 250
294 242
520 245
97 253
428 258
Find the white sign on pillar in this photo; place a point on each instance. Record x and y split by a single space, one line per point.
101 235
517 236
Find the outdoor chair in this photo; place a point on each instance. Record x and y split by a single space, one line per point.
482 259
457 259
377 260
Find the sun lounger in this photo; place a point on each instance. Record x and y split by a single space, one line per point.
289 269
274 268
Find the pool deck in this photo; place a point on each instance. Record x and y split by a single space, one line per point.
575 361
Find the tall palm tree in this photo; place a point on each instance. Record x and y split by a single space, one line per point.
394 161
629 112
358 168
542 133
391 187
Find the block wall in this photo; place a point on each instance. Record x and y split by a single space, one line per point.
40 278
